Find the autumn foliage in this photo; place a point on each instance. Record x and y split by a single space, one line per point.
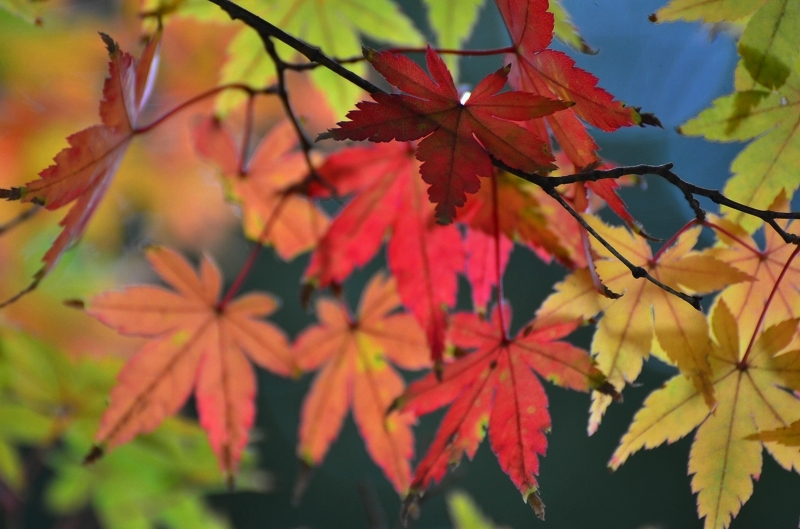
322 155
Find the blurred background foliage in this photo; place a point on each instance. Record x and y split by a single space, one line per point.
57 365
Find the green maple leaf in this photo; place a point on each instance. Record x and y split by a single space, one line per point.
769 164
565 29
336 27
453 22
771 42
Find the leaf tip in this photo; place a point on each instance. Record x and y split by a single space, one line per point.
395 405
75 304
652 17
532 498
94 454
438 369
110 43
302 481
409 510
369 54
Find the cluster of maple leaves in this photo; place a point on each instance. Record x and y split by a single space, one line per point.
431 191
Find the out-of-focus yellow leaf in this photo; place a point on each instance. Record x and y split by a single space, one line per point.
707 10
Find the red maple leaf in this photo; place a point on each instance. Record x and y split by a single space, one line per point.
552 73
271 186
458 137
353 355
483 266
195 343
494 389
526 214
424 256
83 171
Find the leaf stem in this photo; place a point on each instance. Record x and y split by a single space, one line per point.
19 219
767 304
299 67
196 99
671 240
251 259
463 53
730 235
248 131
498 275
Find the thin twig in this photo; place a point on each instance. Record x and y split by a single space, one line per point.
636 271
305 144
266 30
19 219
689 190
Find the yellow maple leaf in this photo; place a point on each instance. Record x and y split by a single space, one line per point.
746 300
724 459
625 335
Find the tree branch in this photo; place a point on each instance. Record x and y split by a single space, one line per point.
549 184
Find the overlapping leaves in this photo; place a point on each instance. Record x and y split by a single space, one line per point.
451 155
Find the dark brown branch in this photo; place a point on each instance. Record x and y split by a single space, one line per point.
690 191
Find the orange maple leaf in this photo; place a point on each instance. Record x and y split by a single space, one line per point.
271 187
83 171
196 342
353 356
724 457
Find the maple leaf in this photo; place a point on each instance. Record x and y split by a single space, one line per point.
647 317
565 30
527 216
335 27
83 171
483 267
770 43
493 389
765 266
551 73
709 11
451 155
353 356
195 343
272 186
453 21
766 167
747 381
425 257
